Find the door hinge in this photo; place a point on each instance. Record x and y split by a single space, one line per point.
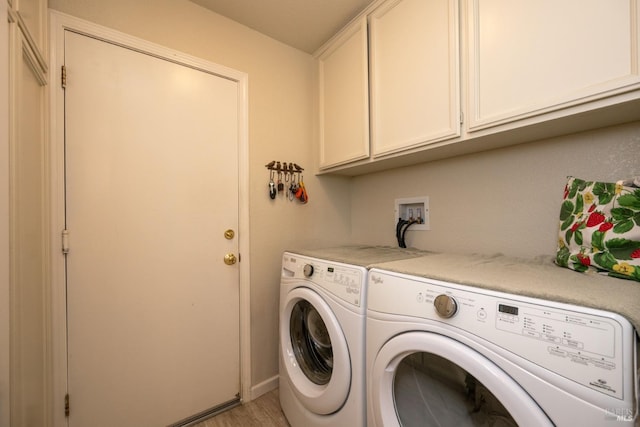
66 405
65 241
63 77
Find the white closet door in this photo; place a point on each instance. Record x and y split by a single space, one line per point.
151 187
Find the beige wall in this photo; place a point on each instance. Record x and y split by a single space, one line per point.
501 201
280 128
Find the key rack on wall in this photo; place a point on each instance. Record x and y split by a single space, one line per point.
289 168
286 180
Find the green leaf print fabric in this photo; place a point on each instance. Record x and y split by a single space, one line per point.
600 227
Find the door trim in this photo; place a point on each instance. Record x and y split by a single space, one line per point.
5 372
59 23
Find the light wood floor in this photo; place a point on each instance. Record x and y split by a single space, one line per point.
262 412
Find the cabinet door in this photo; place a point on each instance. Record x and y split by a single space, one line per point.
344 100
530 57
414 74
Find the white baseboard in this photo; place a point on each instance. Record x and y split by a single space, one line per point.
264 387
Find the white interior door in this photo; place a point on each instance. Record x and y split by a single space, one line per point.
151 162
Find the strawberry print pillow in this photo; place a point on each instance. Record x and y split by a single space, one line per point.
600 227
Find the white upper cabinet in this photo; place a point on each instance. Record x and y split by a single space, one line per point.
414 74
343 97
527 58
452 77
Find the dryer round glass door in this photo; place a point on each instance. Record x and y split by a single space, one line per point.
314 352
425 379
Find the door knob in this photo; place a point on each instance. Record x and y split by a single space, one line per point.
230 259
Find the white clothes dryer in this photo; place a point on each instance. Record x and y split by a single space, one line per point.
442 354
322 321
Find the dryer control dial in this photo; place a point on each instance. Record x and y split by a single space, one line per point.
307 270
445 306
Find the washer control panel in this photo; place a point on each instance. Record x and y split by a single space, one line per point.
342 280
578 343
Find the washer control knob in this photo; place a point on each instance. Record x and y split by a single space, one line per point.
445 306
307 270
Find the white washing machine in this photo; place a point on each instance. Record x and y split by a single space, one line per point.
322 320
322 316
441 354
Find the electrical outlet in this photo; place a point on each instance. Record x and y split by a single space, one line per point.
413 209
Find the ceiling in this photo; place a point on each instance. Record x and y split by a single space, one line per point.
303 24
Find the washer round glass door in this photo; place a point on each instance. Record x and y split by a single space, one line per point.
314 352
426 379
311 342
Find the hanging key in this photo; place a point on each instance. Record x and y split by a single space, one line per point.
272 186
280 183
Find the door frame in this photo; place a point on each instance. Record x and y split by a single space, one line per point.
58 24
5 390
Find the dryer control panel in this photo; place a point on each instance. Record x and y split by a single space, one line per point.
344 281
569 334
588 346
